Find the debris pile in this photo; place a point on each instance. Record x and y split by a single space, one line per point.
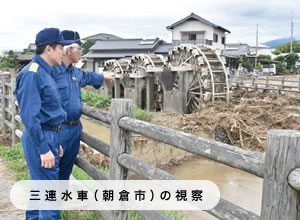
245 124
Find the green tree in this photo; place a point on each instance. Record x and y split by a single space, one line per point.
86 46
259 66
248 65
281 68
280 58
285 48
241 59
264 57
10 61
291 59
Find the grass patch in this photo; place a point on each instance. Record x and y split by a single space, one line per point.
95 100
175 215
105 170
80 174
104 102
80 215
12 153
141 114
15 160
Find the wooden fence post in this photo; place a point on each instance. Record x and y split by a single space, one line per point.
120 142
13 105
253 81
1 101
277 92
3 104
1 93
282 82
267 82
279 200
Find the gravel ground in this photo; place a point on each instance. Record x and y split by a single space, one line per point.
7 210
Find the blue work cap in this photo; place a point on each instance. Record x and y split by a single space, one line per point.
71 35
50 35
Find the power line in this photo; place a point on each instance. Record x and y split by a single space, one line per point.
266 30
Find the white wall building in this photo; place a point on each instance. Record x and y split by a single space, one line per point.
196 30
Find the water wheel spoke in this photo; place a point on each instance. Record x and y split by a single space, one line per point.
197 105
196 93
192 89
188 102
179 60
192 84
187 60
198 99
193 106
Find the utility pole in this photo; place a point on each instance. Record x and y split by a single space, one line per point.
255 64
291 49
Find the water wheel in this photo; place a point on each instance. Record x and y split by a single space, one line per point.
208 81
140 66
120 68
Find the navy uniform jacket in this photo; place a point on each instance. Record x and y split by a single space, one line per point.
39 100
69 80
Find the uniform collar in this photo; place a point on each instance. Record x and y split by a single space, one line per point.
64 67
42 62
71 67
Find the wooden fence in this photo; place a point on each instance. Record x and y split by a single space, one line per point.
279 166
10 120
278 84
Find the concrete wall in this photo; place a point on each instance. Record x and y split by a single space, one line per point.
90 65
219 44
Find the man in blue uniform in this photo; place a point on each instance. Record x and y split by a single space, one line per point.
70 80
42 112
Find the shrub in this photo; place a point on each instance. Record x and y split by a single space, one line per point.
95 100
141 114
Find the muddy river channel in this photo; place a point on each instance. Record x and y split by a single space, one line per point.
236 186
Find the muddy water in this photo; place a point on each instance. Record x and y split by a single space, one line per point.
235 185
96 130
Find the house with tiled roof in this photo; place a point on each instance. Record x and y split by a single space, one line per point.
102 36
104 50
194 29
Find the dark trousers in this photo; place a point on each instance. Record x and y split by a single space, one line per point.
37 172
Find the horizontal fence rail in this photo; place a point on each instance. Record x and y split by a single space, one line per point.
249 161
96 114
150 215
294 179
260 83
90 169
95 143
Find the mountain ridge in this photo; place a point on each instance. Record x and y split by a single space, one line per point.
276 42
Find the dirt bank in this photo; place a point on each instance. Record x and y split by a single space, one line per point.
146 149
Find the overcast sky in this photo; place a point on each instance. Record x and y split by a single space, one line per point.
21 20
